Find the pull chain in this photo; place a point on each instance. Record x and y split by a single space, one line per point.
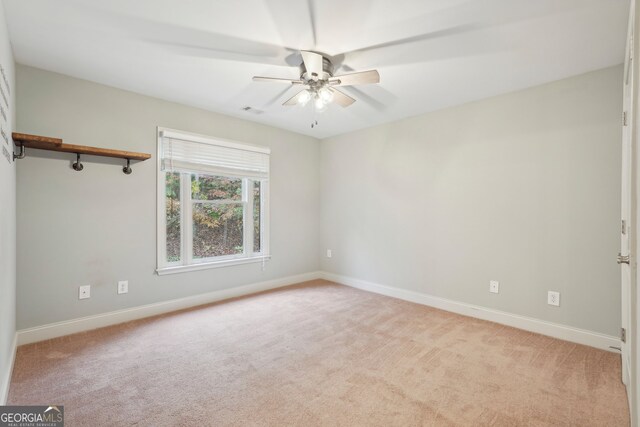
314 119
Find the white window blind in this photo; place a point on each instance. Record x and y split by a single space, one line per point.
185 152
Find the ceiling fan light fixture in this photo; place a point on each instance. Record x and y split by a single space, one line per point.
320 104
304 97
319 83
326 95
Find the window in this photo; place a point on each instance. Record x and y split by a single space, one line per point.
212 202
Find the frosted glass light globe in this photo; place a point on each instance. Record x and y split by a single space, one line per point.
304 97
326 95
320 105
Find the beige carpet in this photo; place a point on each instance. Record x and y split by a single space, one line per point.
320 354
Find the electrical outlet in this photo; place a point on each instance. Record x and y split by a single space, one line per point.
494 286
84 292
553 298
328 253
123 287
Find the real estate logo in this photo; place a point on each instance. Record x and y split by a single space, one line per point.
32 416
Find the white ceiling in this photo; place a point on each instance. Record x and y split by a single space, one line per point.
430 54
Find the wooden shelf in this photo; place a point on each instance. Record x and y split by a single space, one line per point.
45 141
56 144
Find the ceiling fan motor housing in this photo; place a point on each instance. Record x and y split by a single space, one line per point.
327 71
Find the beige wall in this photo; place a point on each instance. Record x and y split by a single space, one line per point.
7 220
98 226
522 188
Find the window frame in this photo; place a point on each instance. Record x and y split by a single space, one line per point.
187 262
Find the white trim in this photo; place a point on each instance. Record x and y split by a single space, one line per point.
213 264
58 329
4 387
161 225
186 220
265 224
568 333
555 330
247 217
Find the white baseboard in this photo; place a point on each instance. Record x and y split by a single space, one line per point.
568 333
58 329
4 387
555 330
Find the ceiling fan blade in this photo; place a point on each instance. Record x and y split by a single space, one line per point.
312 21
360 78
464 18
295 22
293 100
312 62
341 98
188 41
276 97
276 80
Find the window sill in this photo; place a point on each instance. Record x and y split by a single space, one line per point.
208 265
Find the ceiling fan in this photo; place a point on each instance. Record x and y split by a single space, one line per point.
319 84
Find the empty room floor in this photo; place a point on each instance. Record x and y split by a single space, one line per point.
319 353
